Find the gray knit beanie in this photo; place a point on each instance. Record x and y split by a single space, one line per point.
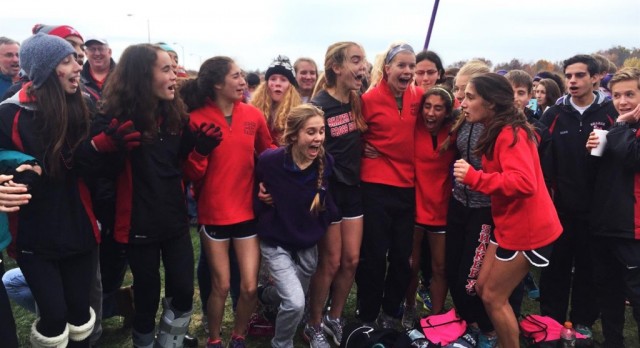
40 55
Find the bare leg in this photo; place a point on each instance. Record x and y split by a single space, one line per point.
438 288
217 253
329 251
496 282
343 281
248 253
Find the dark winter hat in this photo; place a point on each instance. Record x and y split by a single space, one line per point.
282 66
40 54
58 30
252 79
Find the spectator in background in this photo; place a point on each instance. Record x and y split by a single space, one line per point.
98 67
570 273
9 63
306 71
253 81
616 247
277 95
66 32
546 93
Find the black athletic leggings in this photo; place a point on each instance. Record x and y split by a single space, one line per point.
61 288
144 260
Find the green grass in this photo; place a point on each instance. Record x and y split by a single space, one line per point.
114 336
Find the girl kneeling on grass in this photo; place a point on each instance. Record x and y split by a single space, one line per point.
296 177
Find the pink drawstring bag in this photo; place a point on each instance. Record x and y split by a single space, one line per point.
444 328
540 328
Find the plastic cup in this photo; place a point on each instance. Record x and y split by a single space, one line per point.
602 137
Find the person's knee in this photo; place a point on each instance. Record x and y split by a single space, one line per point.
438 269
220 289
350 263
248 290
294 303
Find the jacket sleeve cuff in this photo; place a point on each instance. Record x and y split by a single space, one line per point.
472 177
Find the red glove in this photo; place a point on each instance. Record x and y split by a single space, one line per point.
117 137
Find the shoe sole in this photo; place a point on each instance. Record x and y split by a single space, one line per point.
329 332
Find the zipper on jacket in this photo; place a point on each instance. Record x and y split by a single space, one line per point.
466 188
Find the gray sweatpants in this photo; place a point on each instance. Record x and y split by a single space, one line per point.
291 273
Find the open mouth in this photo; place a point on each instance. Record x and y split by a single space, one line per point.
314 150
172 88
404 81
430 122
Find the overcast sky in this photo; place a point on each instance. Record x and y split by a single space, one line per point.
253 32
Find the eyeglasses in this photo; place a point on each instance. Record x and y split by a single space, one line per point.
94 49
428 72
578 75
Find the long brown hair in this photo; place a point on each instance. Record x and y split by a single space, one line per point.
128 94
295 121
62 122
496 91
212 72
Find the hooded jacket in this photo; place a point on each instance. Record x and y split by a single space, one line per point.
59 220
615 210
573 173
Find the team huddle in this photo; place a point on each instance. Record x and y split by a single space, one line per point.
408 180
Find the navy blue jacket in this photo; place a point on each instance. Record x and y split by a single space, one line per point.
572 172
288 222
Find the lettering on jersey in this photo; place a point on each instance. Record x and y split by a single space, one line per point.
414 109
250 128
478 257
598 125
564 132
341 124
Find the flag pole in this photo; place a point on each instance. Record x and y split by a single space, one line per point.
433 19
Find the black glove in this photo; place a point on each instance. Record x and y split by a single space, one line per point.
208 137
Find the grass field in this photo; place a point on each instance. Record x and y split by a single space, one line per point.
115 337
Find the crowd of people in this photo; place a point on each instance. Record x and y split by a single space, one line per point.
400 176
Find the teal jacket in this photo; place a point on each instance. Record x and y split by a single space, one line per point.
9 160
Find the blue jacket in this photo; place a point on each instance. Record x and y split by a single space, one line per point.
288 223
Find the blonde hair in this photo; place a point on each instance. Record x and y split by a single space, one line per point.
626 74
377 69
263 101
296 120
337 55
471 68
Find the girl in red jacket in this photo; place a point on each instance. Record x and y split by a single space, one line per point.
390 110
525 219
223 178
433 159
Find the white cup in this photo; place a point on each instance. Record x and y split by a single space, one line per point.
602 138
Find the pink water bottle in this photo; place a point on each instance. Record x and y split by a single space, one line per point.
567 335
